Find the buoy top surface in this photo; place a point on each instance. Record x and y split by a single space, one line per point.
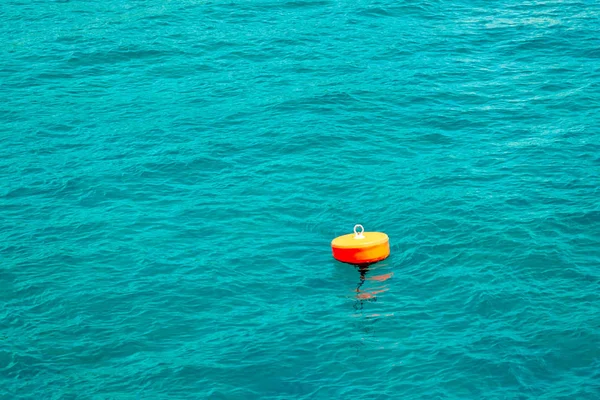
353 241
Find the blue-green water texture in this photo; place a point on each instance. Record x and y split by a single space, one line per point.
172 174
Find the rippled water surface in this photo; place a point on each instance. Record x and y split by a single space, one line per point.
172 174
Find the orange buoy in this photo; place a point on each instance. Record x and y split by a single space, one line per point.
361 247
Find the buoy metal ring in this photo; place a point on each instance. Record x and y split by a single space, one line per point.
359 235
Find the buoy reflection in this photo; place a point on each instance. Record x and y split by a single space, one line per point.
369 295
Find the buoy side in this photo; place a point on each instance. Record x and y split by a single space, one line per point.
362 255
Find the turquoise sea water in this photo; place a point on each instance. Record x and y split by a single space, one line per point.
172 174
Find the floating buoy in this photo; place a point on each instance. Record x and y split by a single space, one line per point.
361 247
